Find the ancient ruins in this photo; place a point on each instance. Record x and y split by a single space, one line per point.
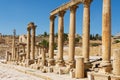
32 55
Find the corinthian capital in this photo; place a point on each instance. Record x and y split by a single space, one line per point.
87 3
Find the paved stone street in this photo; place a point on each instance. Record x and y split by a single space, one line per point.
12 74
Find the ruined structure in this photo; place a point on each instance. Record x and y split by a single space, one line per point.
79 67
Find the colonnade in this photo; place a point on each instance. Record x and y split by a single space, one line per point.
72 31
106 33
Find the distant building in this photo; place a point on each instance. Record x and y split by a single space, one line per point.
23 39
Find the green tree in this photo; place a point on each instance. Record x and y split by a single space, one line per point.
44 44
45 34
77 40
65 37
91 37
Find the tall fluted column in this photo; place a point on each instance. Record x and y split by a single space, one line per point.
86 31
51 41
60 36
106 33
28 42
33 27
72 35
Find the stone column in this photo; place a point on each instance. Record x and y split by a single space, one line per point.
60 37
51 41
116 62
7 56
72 35
79 72
43 57
86 31
39 50
10 57
13 49
33 27
106 34
24 51
28 43
17 53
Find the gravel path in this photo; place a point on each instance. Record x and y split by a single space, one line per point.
11 74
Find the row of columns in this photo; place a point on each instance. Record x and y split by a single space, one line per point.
72 31
106 33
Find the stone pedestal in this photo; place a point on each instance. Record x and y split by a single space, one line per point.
116 62
79 72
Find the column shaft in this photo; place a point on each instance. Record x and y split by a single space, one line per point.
72 33
51 38
33 43
106 31
86 31
116 62
28 43
60 35
79 68
13 48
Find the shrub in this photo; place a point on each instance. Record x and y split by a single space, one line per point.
95 44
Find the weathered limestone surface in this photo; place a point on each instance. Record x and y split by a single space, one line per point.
86 31
60 37
106 34
13 48
51 41
116 62
66 6
79 72
72 34
28 43
33 27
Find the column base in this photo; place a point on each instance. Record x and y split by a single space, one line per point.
51 62
105 67
29 62
60 63
71 64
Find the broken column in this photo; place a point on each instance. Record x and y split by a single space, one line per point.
116 62
79 72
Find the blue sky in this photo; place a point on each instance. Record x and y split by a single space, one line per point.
18 13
